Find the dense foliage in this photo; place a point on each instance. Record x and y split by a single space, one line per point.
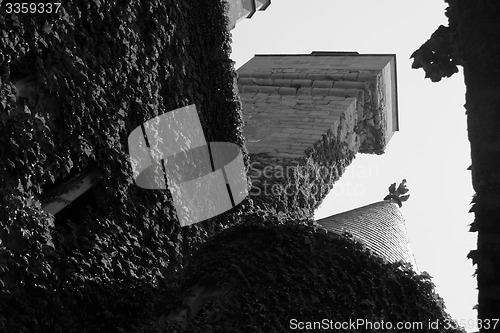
296 186
471 40
276 273
73 85
438 56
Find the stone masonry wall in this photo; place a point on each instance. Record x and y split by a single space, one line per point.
305 119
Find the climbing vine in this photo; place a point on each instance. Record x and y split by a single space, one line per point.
73 85
275 273
470 40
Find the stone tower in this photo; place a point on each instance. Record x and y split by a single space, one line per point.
307 115
379 226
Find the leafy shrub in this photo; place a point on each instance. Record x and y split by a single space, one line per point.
275 273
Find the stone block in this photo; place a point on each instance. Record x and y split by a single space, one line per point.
244 73
353 92
302 82
304 91
320 91
337 92
322 84
334 98
367 77
351 77
246 81
282 82
334 76
336 105
312 76
321 101
264 82
349 85
287 91
290 76
269 89
249 89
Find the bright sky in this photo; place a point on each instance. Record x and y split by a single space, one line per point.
431 150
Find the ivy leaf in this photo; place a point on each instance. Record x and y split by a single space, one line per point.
404 197
79 61
438 56
15 21
26 109
47 28
474 255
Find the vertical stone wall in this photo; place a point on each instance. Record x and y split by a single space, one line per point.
380 226
306 116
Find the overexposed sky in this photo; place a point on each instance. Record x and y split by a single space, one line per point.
431 150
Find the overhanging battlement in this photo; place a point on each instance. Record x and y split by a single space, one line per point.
313 112
323 82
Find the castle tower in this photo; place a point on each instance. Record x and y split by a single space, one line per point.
307 115
379 226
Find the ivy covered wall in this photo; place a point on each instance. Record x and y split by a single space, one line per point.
73 85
